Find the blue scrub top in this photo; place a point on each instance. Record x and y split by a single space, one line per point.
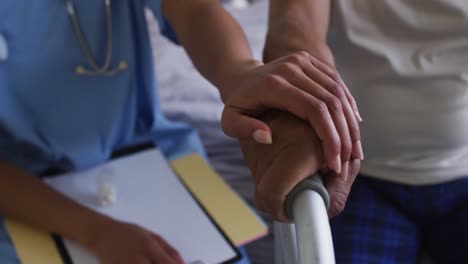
51 117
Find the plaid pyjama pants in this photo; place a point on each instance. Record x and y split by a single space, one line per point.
386 222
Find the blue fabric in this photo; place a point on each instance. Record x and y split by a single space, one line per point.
387 223
72 122
52 118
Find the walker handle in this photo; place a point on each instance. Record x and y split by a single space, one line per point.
307 205
313 183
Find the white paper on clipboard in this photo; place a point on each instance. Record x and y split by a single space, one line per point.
150 195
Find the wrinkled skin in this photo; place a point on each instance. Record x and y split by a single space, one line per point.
294 155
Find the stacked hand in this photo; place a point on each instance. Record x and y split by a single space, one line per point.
304 86
294 155
320 133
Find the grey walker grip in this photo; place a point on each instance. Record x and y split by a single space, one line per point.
313 183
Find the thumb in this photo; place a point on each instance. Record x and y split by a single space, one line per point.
241 126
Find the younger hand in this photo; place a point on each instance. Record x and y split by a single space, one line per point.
301 85
123 243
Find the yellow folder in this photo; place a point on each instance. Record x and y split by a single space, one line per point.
227 209
225 206
33 246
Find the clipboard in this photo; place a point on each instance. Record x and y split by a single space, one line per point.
20 233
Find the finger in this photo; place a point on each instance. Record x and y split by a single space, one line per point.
157 252
345 172
339 187
338 190
340 90
333 74
158 255
354 144
352 101
335 105
236 123
358 152
281 93
353 124
354 168
170 250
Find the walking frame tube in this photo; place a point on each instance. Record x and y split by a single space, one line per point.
309 239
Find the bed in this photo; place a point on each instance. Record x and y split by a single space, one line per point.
186 96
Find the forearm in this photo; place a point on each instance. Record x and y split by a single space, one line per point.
25 198
212 38
298 25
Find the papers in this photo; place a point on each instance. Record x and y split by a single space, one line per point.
148 194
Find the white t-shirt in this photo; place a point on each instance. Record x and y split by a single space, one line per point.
406 62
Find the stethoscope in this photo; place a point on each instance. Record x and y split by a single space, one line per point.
106 69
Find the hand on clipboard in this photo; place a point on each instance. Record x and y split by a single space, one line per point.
121 243
151 199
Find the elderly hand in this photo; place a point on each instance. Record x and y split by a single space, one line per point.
295 154
304 86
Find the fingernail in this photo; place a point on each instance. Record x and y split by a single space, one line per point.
345 170
262 137
359 151
358 115
336 164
